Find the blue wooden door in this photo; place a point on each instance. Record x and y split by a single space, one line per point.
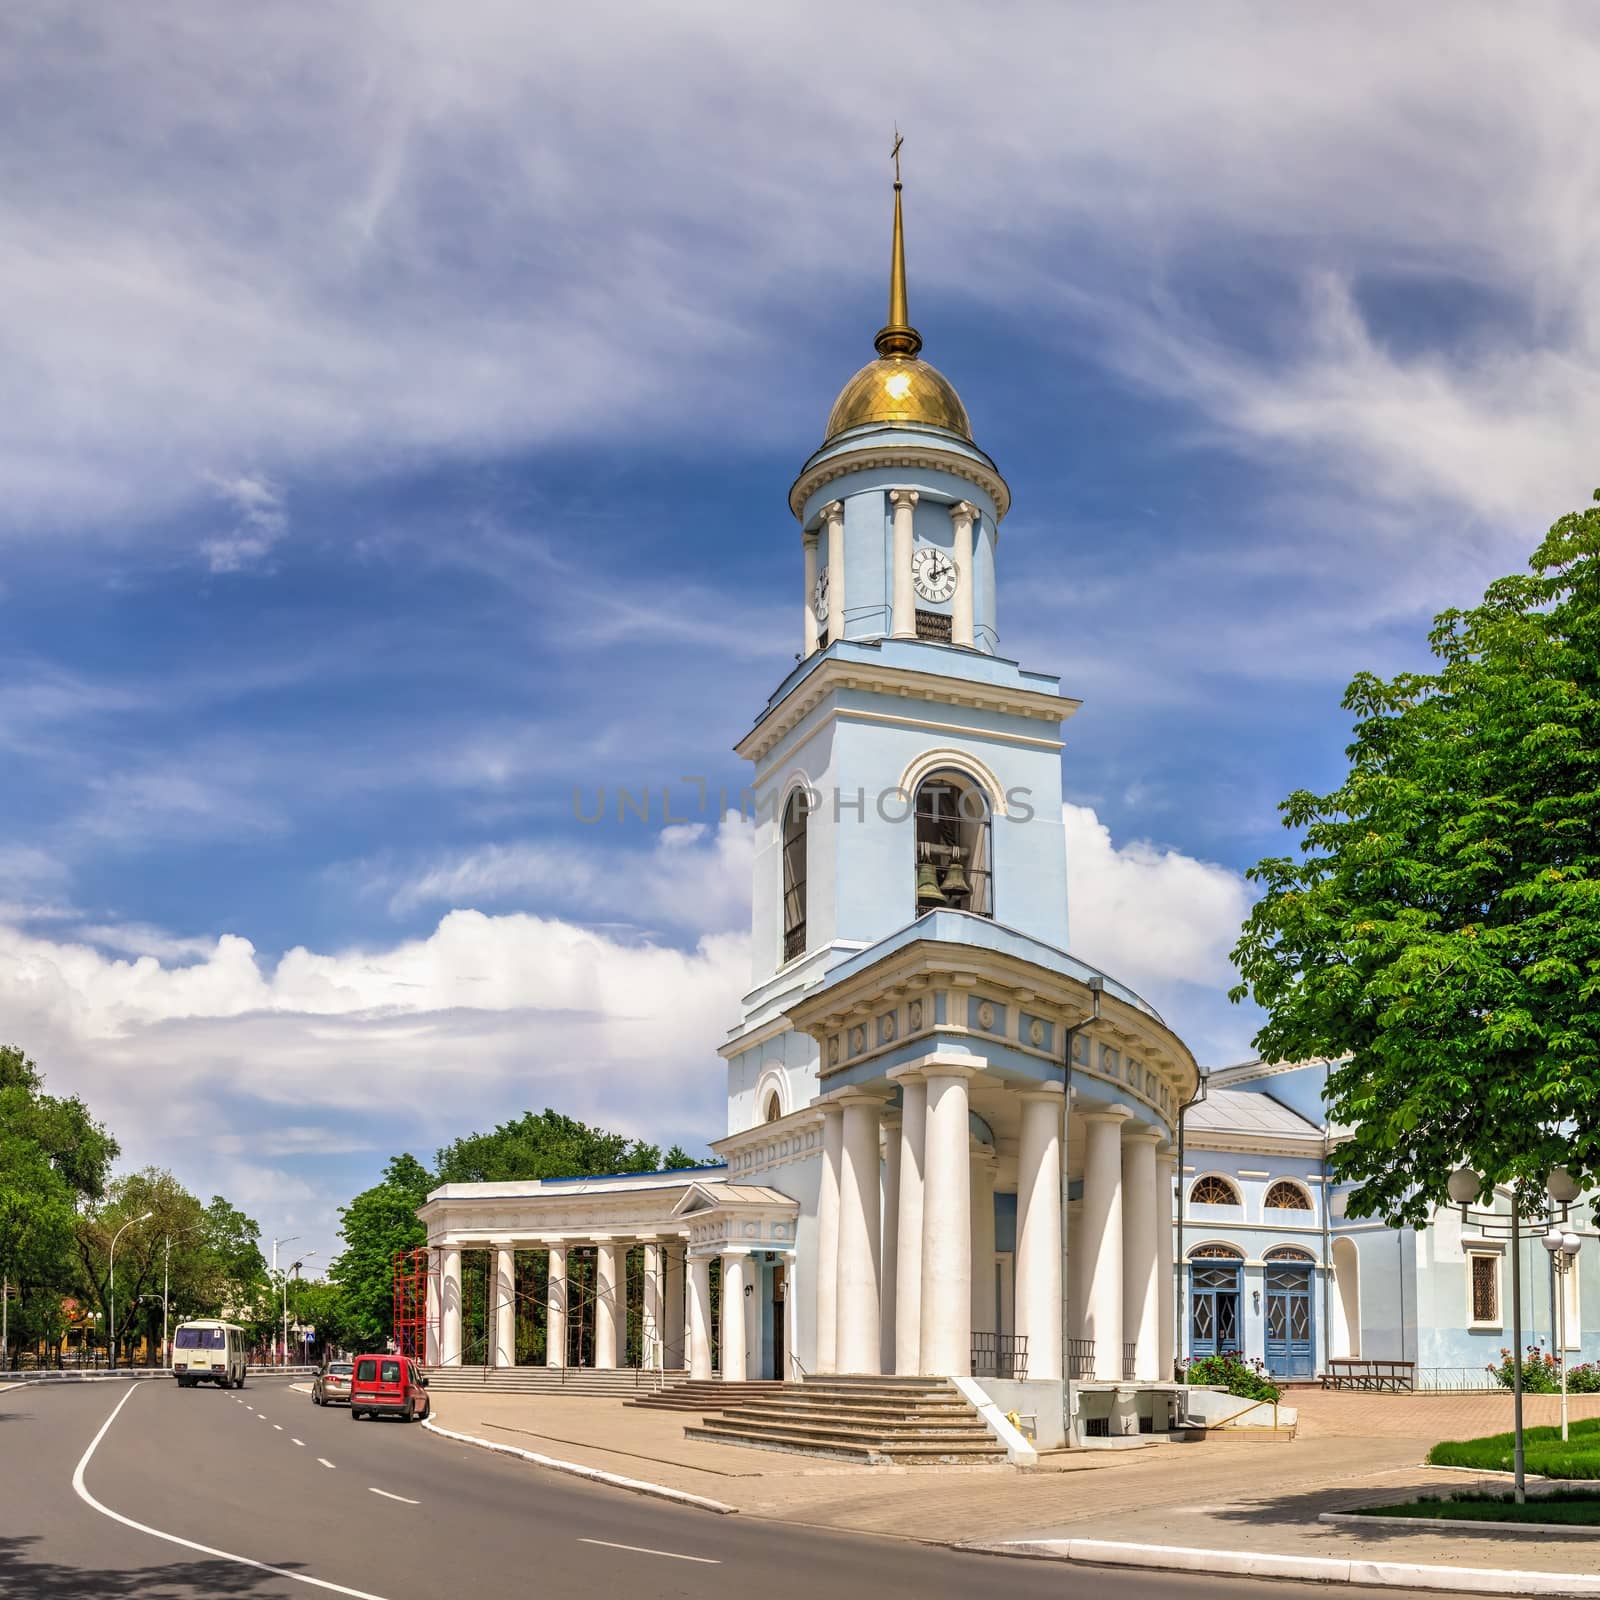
1213 1308
1290 1341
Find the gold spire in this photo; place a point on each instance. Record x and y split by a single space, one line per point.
897 337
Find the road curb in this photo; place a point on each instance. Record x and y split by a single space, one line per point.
1363 1519
1313 1569
658 1490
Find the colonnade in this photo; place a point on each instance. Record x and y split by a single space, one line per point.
905 1275
675 1311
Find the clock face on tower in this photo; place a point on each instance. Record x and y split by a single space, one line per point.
819 597
933 574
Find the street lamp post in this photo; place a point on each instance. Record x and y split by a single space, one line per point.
275 1243
113 1264
294 1267
1563 1246
1465 1186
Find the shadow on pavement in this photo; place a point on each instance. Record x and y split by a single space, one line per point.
1297 1513
22 1578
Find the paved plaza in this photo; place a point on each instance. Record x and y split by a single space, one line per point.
1221 1494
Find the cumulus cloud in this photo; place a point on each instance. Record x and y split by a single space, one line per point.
1149 913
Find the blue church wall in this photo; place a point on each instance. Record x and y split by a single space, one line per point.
788 1061
866 567
986 629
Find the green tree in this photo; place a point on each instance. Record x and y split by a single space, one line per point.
677 1158
376 1225
54 1158
1439 934
546 1145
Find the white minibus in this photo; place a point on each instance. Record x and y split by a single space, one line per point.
206 1351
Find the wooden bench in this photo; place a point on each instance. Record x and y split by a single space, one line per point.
1352 1372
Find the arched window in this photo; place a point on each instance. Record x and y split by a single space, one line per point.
795 815
1287 1252
1286 1196
1213 1191
1215 1252
953 838
774 1108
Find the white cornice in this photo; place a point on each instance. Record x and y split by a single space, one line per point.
871 458
905 683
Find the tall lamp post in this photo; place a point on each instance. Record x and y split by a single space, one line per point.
294 1267
1563 1246
275 1243
113 1292
1465 1186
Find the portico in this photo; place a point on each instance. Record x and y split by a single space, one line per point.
627 1286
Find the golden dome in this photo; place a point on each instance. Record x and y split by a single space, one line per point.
898 387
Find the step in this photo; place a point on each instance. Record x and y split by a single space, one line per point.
929 1438
843 1450
893 1423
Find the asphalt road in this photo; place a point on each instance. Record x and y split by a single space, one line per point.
260 1493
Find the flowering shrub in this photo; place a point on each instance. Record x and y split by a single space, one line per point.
1541 1373
1248 1380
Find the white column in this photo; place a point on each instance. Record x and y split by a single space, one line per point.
673 1294
1039 1232
555 1308
505 1307
1102 1240
908 1253
889 1241
903 612
985 1313
1166 1283
833 521
606 1320
962 517
650 1328
734 1263
947 1226
828 1237
808 629
700 1317
450 1307
433 1309
860 1330
1140 1290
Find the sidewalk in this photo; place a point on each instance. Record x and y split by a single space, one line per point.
1211 1496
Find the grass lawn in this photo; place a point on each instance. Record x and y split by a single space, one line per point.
1543 1451
1577 1506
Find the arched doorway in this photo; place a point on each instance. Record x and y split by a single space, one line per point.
1215 1271
1290 1322
1346 1298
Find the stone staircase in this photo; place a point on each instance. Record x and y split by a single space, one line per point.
619 1382
906 1421
706 1394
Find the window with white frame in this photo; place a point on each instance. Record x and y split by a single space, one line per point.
1483 1281
1285 1195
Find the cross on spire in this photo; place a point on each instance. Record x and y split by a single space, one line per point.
899 139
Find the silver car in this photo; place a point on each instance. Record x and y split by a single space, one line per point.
332 1384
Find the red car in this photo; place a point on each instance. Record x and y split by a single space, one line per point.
388 1386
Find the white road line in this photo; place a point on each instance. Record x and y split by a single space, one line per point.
327 1463
82 1491
278 1426
640 1550
387 1496
301 1443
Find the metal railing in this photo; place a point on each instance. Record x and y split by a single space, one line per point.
1130 1361
1000 1355
1080 1358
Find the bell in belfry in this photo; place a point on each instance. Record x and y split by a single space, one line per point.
955 878
928 890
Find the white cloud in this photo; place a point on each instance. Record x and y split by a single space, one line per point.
307 236
259 523
690 875
1150 915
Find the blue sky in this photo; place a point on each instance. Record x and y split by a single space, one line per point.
398 411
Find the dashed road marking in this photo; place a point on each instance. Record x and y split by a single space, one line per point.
81 1489
278 1426
641 1550
387 1496
324 1461
301 1443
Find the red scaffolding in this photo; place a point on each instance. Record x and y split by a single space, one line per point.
414 1303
